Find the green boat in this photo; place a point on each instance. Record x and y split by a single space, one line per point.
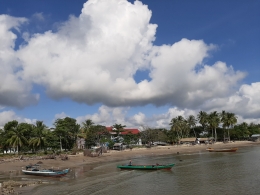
146 167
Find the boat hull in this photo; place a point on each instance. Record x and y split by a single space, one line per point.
222 150
146 167
49 173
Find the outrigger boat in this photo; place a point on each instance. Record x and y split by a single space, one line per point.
222 150
35 170
146 167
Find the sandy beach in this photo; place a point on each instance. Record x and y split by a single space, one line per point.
10 165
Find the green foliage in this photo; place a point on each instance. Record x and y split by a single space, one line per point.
15 134
96 134
68 130
110 143
39 135
28 138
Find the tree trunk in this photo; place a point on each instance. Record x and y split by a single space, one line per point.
228 136
194 132
224 135
216 135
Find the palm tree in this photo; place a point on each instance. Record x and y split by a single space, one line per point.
214 121
39 139
231 119
192 123
118 128
87 124
202 117
15 132
180 126
175 126
223 117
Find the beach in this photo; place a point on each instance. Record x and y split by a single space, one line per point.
11 166
15 164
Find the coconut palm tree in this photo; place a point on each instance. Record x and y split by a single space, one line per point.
15 134
191 120
39 138
223 117
180 126
175 126
87 124
230 121
118 128
202 118
214 121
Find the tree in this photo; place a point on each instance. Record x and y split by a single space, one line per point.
223 116
202 118
15 133
3 141
230 121
147 135
39 138
214 121
180 126
87 124
130 138
67 129
95 135
191 120
118 128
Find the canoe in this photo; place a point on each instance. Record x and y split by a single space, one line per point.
146 167
35 170
222 150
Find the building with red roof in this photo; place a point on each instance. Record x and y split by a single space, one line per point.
124 132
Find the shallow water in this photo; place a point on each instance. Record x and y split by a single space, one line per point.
199 173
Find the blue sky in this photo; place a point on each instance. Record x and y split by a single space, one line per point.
135 63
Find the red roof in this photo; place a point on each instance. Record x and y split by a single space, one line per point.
126 131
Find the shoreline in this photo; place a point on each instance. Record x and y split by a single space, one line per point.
112 156
13 167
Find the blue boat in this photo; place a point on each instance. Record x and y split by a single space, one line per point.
36 170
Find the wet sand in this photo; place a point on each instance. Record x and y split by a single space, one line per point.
112 155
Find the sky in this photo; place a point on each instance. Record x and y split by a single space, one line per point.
135 63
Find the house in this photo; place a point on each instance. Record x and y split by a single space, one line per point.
255 137
203 140
81 143
125 131
190 140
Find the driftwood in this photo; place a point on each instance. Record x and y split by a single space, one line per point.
27 158
64 157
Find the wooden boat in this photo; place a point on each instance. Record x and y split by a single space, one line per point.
146 167
222 150
35 170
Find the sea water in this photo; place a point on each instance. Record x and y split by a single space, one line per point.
194 173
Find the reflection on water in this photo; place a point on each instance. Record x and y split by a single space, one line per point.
200 173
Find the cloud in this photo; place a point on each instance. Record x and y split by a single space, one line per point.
14 90
93 59
60 116
244 102
7 116
107 116
38 16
